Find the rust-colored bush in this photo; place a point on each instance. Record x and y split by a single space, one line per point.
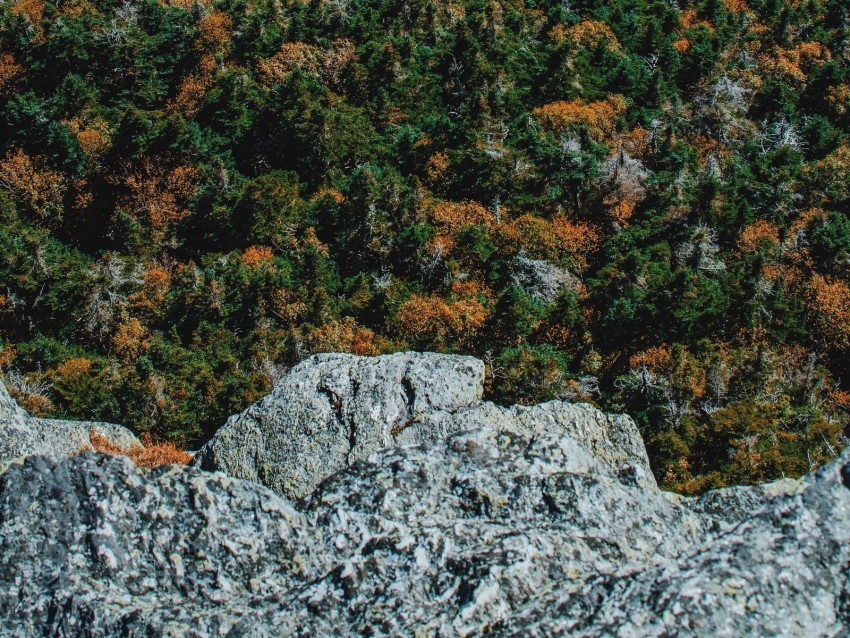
153 454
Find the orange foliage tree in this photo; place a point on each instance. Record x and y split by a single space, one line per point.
9 69
436 321
830 300
158 194
344 335
258 257
34 185
599 117
558 238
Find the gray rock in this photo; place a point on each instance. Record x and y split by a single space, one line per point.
484 532
728 506
541 279
783 570
22 435
333 409
613 440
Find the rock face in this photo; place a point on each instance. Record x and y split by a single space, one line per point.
333 409
483 532
22 435
522 521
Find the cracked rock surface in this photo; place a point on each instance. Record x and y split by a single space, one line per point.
422 511
22 435
333 409
485 532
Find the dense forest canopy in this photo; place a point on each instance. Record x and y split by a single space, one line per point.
638 203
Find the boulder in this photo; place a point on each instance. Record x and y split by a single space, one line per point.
541 279
333 409
484 532
22 435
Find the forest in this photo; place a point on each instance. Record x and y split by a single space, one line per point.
642 204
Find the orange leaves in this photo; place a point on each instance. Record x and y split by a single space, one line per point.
830 300
795 64
437 322
129 340
9 69
838 98
599 118
190 94
656 359
34 185
300 56
332 194
33 10
312 241
830 174
437 166
257 257
676 368
592 34
194 87
754 235
159 194
93 141
93 137
449 219
74 368
682 45
454 216
344 335
152 455
289 306
215 32
737 7
157 283
555 238
292 56
622 212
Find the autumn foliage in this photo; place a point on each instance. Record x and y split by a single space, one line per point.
642 205
599 118
34 185
149 456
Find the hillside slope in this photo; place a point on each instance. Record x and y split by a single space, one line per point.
643 204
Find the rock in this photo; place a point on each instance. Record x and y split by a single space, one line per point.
541 279
485 532
728 506
91 545
22 435
333 409
780 571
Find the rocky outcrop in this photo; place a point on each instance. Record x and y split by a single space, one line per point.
483 532
541 279
467 518
22 435
333 409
